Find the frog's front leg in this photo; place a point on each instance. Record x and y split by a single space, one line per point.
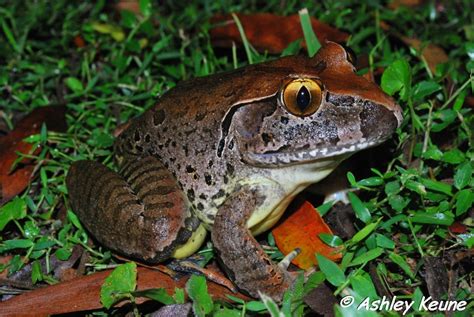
240 254
140 211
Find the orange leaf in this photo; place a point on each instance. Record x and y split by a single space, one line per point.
301 230
269 32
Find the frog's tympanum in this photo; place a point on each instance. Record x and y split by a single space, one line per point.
226 154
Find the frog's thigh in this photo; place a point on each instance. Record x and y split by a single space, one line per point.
140 211
241 255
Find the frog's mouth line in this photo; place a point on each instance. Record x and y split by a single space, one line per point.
295 157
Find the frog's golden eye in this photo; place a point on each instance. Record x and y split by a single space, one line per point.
302 97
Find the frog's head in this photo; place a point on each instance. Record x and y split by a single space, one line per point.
319 109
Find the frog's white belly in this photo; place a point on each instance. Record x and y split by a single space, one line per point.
287 183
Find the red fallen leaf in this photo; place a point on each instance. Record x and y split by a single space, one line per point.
79 41
269 32
129 5
301 230
83 293
395 4
14 182
457 227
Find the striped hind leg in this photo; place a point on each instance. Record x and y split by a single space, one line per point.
140 211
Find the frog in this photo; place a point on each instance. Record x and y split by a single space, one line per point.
226 154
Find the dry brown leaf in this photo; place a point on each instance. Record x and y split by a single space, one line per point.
83 293
394 4
269 32
433 54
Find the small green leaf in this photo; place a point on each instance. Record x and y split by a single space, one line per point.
255 306
179 295
331 270
324 208
367 256
432 218
15 244
463 175
363 286
464 200
74 220
197 291
74 84
424 88
36 274
271 306
397 78
400 261
31 229
145 7
119 284
371 181
312 42
458 103
330 239
63 254
360 210
454 156
351 178
226 312
384 242
398 202
415 187
14 210
364 232
157 294
314 280
437 186
392 188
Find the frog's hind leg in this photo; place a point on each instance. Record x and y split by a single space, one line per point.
140 212
240 254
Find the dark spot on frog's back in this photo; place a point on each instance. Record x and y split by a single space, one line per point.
137 136
230 169
266 138
190 194
208 179
158 117
219 194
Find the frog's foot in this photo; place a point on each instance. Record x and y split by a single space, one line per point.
139 212
240 254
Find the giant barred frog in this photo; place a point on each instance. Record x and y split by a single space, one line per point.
227 153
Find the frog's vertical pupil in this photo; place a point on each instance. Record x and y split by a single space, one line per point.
303 98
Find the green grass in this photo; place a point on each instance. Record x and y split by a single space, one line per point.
404 208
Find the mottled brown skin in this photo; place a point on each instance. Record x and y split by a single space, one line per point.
227 149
